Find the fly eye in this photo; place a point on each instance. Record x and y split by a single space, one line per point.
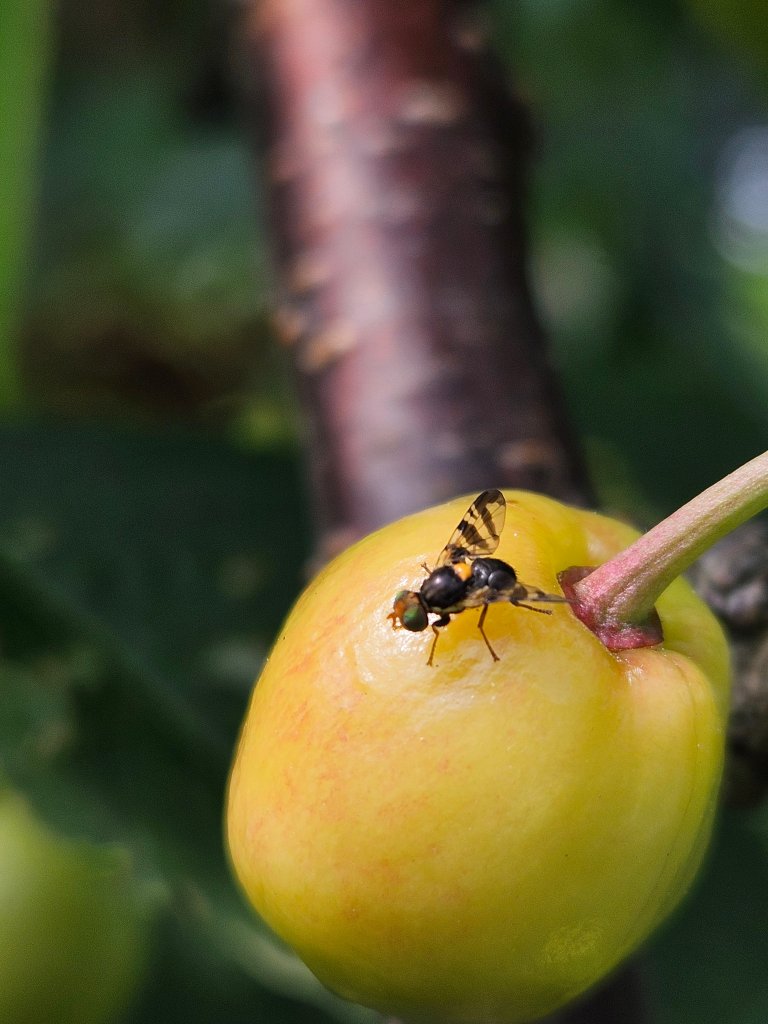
415 618
401 596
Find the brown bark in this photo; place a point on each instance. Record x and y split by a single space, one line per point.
396 160
733 579
395 165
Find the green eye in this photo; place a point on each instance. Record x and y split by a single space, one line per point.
401 596
415 618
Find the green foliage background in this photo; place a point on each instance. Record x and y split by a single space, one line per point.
153 523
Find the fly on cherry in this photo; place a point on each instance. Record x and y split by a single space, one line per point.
465 577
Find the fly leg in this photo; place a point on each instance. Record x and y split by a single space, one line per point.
543 611
480 622
442 621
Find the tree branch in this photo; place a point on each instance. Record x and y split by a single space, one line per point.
395 168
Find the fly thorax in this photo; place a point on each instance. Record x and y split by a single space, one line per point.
443 588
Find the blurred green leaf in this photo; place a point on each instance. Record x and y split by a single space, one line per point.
161 217
24 46
632 114
740 24
708 965
141 580
150 274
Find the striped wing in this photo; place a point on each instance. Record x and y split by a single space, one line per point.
478 532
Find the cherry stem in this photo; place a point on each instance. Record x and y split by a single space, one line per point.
625 589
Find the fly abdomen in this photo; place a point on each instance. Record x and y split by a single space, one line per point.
493 573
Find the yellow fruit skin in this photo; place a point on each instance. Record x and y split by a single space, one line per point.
476 841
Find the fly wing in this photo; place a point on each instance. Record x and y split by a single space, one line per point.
522 592
516 594
479 530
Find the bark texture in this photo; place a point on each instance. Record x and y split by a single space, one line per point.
396 159
733 579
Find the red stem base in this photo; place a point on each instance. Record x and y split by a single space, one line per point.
614 634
